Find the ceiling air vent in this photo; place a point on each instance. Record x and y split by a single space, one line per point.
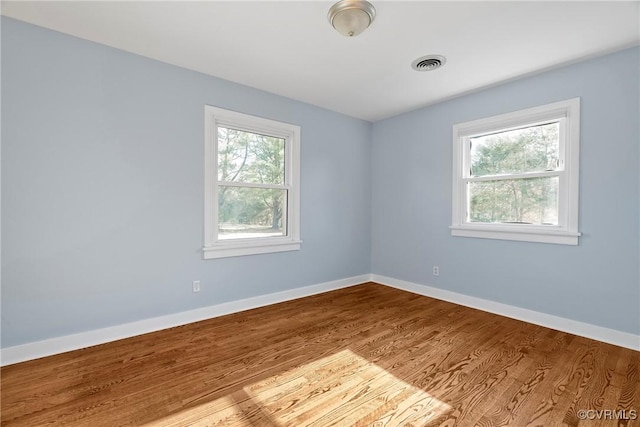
428 63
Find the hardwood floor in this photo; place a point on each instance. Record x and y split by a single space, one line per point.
362 356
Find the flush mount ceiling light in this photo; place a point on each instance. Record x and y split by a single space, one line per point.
428 63
351 17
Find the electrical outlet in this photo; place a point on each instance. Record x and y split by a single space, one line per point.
196 286
436 270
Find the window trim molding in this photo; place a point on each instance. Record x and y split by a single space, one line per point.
566 232
222 248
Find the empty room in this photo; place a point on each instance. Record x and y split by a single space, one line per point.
320 213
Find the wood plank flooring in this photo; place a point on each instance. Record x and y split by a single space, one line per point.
362 356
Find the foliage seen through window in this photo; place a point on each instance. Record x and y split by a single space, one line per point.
251 176
503 160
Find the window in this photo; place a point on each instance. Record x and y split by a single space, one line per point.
251 185
515 176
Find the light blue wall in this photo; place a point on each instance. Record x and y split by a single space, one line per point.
102 189
102 193
596 282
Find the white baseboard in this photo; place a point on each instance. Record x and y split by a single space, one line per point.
599 333
35 350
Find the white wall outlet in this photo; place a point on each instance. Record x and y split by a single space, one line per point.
196 286
436 270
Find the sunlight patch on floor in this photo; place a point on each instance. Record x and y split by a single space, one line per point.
343 389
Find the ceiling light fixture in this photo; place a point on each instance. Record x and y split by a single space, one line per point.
351 17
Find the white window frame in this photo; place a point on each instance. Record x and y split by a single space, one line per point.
567 113
220 248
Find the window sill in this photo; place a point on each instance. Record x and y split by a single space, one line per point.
253 247
559 237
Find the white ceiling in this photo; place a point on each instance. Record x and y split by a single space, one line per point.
289 48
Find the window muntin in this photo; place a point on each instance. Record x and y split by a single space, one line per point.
516 175
251 184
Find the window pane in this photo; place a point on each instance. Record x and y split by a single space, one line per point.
251 212
250 157
530 149
519 201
